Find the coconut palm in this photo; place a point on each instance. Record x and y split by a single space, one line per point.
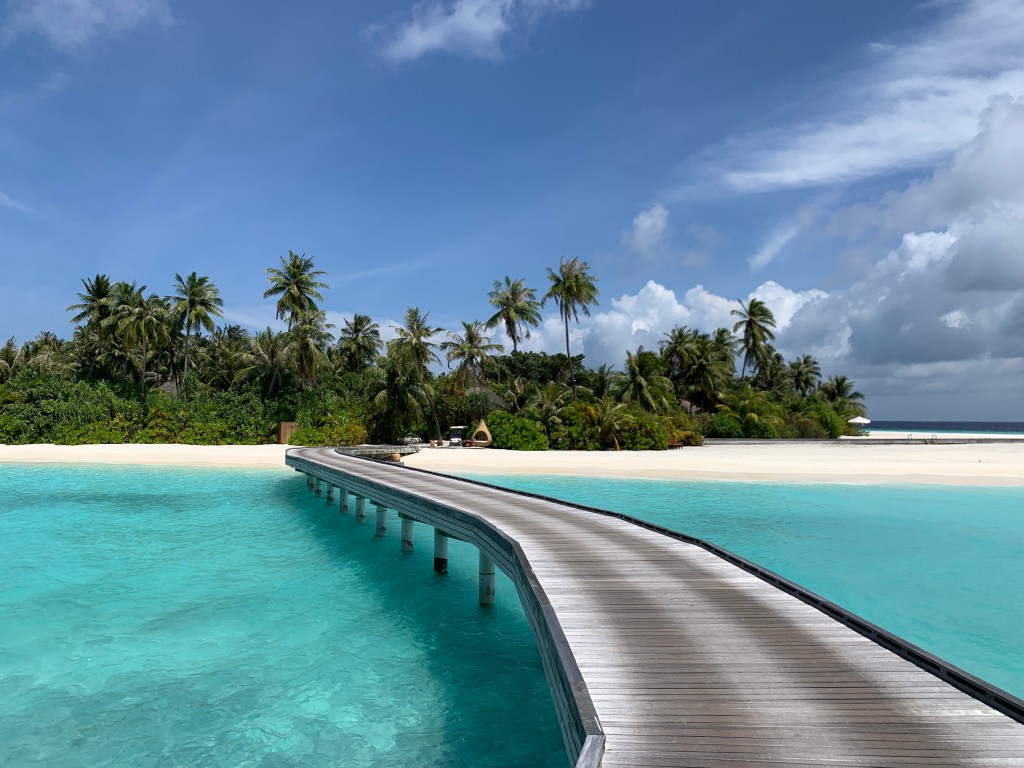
609 417
644 382
756 321
196 302
470 349
547 402
846 401
396 396
804 374
92 310
296 287
141 323
359 343
309 340
573 289
415 345
708 372
223 356
517 309
268 357
13 357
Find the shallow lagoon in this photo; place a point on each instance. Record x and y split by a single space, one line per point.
938 565
210 617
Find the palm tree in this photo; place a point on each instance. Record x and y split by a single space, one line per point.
142 323
310 338
846 401
296 286
196 301
225 355
93 309
517 309
804 374
547 403
471 350
609 417
268 357
756 320
413 343
708 373
395 396
359 343
573 289
12 359
644 383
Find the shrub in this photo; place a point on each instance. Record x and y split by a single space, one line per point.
516 433
724 425
577 432
643 432
95 434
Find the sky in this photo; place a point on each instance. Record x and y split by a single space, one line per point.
858 166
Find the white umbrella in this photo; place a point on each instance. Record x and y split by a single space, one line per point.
858 420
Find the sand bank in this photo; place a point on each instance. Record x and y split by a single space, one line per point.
843 461
891 434
252 456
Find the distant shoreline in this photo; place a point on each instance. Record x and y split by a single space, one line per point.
844 461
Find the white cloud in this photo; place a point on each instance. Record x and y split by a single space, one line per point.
916 104
956 318
650 233
470 28
6 201
773 246
70 24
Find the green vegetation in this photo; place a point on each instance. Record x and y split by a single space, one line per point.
146 368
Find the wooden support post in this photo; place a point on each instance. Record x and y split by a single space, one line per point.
318 486
407 534
330 493
360 509
486 579
342 501
440 551
382 520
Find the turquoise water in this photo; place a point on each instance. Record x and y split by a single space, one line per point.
940 566
227 618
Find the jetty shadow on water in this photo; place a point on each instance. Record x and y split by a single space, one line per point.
491 696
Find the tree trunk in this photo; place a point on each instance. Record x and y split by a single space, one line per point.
572 373
430 403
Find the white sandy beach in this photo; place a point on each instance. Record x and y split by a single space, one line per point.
848 461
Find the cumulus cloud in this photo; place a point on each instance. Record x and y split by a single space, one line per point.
914 105
470 28
650 233
71 24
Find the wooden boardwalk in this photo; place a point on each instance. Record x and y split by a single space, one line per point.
661 653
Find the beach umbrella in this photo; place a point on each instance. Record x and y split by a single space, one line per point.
858 420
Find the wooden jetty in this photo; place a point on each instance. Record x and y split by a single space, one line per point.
663 650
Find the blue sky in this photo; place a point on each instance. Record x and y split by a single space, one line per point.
855 165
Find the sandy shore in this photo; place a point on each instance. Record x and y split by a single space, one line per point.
843 461
252 456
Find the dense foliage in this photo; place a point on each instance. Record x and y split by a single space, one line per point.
149 369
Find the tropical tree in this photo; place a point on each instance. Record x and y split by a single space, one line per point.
804 374
309 340
677 350
415 346
573 289
517 309
297 287
756 322
92 310
846 400
142 325
13 357
470 349
708 372
644 382
224 355
609 417
359 343
546 404
396 396
196 302
268 358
